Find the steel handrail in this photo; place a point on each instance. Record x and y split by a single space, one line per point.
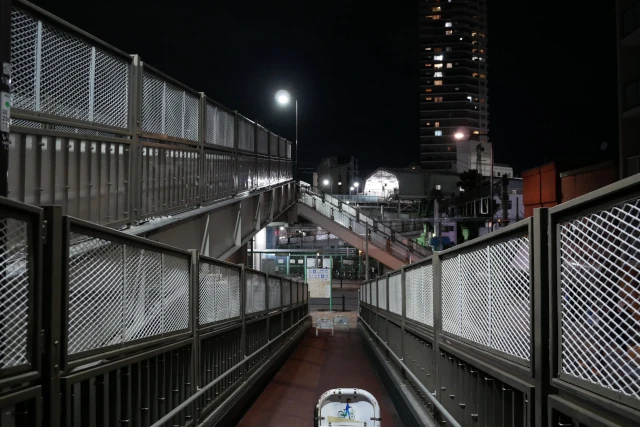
431 396
175 411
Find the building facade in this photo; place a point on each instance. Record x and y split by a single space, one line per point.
628 42
453 78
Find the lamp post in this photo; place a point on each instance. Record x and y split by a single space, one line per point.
356 185
284 98
459 135
328 182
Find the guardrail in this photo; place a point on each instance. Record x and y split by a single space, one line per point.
101 327
535 325
349 217
115 141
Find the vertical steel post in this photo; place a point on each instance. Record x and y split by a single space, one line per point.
236 160
266 305
5 94
52 313
542 348
243 331
437 320
366 250
194 320
403 348
202 134
134 185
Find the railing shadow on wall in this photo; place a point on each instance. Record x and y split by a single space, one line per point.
100 327
115 141
533 325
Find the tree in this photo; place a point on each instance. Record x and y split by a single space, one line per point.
469 181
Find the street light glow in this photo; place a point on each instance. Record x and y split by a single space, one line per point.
351 188
283 97
458 135
339 183
357 184
325 182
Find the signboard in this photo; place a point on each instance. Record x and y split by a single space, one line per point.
319 280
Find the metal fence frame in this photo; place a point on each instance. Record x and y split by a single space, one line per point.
533 393
84 179
95 384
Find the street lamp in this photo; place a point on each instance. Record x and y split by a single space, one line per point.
284 98
356 185
327 182
459 135
350 190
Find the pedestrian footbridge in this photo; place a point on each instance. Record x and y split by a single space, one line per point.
128 190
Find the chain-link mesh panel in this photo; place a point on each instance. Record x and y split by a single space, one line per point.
510 297
96 294
246 135
263 141
282 144
288 150
419 294
600 297
167 109
486 296
255 292
274 292
286 292
24 51
273 145
395 294
110 90
15 248
119 294
26 123
374 293
382 293
220 127
219 293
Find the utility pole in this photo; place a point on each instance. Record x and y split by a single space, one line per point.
366 252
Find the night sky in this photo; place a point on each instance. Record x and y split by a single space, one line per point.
354 68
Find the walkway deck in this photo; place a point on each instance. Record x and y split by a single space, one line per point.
317 365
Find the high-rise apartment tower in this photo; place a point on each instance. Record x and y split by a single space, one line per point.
453 78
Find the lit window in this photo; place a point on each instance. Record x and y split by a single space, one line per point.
428 90
437 82
437 74
427 65
448 32
473 34
474 58
437 124
449 65
438 57
482 76
428 98
476 132
437 49
436 17
427 48
474 74
435 9
437 99
437 133
427 124
437 65
469 98
448 24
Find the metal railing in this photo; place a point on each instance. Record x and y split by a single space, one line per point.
127 329
350 218
113 140
533 325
